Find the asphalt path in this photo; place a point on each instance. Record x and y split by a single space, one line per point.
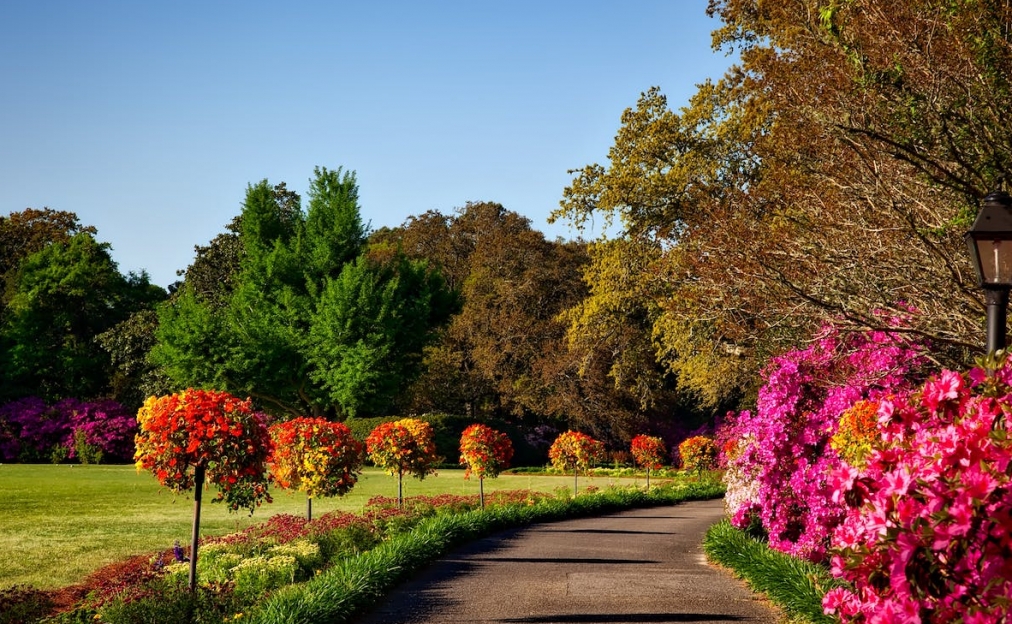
642 565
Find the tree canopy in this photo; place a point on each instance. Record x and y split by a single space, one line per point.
307 319
830 174
61 297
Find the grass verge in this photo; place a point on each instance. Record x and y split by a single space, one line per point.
357 583
795 585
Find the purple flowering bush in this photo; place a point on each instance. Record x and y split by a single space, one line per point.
88 431
778 457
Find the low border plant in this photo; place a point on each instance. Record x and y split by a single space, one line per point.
795 585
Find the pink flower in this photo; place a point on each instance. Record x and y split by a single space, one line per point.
946 387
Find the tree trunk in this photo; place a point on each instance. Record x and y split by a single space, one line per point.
309 508
481 491
198 488
400 489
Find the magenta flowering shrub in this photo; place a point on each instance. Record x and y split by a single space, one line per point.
778 457
29 430
928 530
106 426
32 431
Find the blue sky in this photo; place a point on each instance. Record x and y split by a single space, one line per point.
149 119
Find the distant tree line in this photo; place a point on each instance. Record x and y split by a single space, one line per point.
308 312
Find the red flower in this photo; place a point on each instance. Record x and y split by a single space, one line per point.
484 451
173 441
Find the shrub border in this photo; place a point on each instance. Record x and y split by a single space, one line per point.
795 585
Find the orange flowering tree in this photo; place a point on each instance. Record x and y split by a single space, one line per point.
698 453
576 451
197 435
648 452
403 446
315 456
484 452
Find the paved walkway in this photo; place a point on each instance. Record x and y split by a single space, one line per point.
643 565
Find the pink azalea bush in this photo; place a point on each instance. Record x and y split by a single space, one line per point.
927 534
778 457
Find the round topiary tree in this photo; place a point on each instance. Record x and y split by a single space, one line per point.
576 451
315 456
403 446
485 452
195 436
648 452
698 453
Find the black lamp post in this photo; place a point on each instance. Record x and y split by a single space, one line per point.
990 243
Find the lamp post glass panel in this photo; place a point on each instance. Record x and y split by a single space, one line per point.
990 245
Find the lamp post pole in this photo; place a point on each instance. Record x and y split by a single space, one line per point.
997 314
989 242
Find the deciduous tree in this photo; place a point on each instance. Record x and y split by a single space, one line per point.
62 297
309 323
831 173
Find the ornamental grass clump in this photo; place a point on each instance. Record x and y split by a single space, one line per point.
575 451
403 446
315 456
648 452
484 452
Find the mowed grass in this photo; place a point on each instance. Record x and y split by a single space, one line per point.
58 523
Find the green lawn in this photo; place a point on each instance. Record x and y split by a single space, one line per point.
60 522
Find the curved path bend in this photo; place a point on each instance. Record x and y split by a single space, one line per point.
641 565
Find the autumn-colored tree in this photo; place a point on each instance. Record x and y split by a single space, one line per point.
484 452
491 360
197 435
403 446
648 452
507 353
315 456
575 451
29 231
833 172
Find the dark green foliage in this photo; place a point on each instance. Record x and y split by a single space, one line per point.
134 377
796 586
311 322
61 299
